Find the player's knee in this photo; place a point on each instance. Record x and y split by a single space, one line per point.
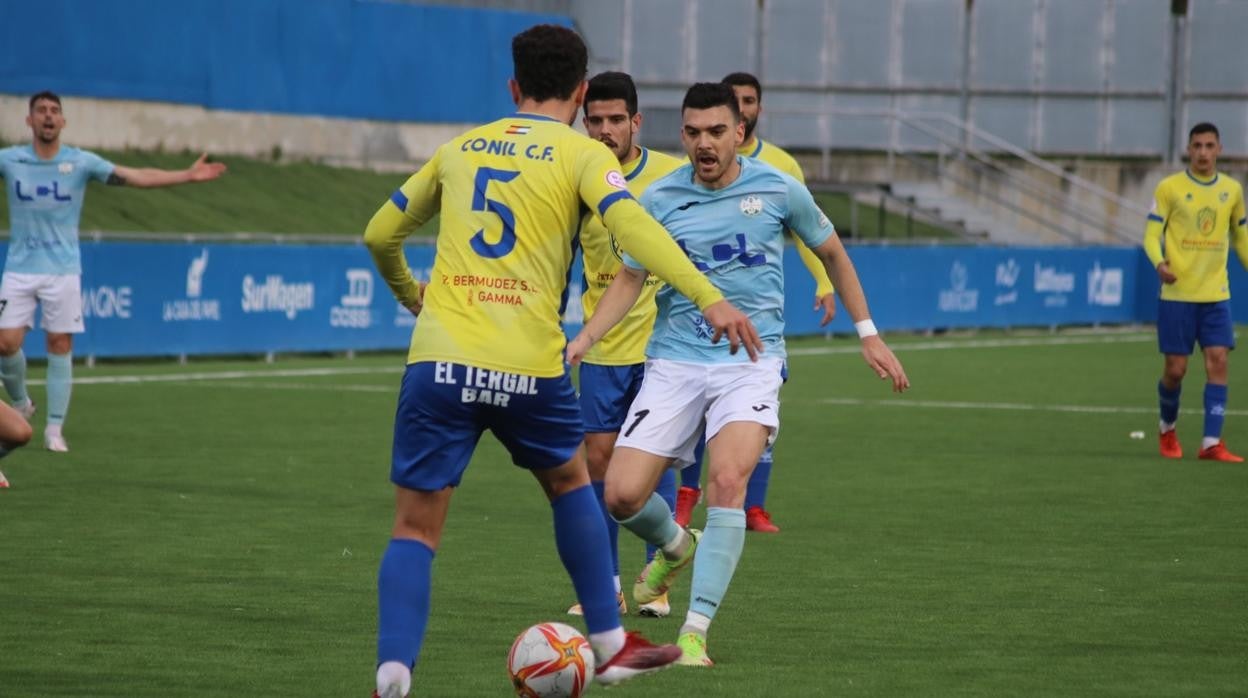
1175 371
17 434
597 460
726 484
60 343
623 504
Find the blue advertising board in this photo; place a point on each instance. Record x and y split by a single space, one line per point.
168 299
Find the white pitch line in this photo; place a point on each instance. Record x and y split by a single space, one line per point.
334 387
900 348
1015 406
228 375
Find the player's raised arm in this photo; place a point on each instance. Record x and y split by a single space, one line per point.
407 208
150 177
619 298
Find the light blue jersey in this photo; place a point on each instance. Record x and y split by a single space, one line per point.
735 236
45 203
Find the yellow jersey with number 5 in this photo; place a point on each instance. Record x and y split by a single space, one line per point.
625 344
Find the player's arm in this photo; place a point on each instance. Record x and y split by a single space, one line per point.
406 210
619 298
1239 230
809 223
148 177
1153 231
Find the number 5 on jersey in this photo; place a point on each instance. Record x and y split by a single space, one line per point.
480 202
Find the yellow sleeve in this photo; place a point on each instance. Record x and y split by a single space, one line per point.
647 242
408 207
1156 225
823 284
603 188
810 260
1239 230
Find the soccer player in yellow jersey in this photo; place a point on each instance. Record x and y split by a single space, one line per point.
750 101
611 374
487 350
1197 216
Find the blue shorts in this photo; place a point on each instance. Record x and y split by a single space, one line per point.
444 408
1180 325
606 393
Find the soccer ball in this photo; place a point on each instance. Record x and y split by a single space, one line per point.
550 660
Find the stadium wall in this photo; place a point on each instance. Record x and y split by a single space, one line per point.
171 299
360 59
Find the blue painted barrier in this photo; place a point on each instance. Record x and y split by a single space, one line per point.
165 299
370 59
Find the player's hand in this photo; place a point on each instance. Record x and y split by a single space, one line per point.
419 304
727 320
881 360
202 170
826 303
577 348
1164 273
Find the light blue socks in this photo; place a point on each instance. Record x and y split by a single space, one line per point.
60 380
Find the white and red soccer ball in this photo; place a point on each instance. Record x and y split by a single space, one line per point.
550 660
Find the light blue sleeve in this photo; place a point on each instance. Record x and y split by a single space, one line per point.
804 217
97 167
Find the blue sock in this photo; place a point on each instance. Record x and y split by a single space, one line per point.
13 373
756 490
60 380
654 523
666 490
716 559
691 475
613 528
404 583
1215 409
1169 400
581 538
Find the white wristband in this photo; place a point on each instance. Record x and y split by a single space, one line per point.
866 328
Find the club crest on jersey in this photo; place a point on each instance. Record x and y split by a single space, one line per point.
615 248
1223 197
615 179
1206 219
751 205
68 167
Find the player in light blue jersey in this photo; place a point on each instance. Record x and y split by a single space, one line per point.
728 213
46 182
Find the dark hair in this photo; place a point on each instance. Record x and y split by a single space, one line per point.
744 80
50 96
612 85
705 95
550 61
1204 127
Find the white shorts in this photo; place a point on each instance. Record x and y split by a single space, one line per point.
60 294
678 399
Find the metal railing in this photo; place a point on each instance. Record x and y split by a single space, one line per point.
994 173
